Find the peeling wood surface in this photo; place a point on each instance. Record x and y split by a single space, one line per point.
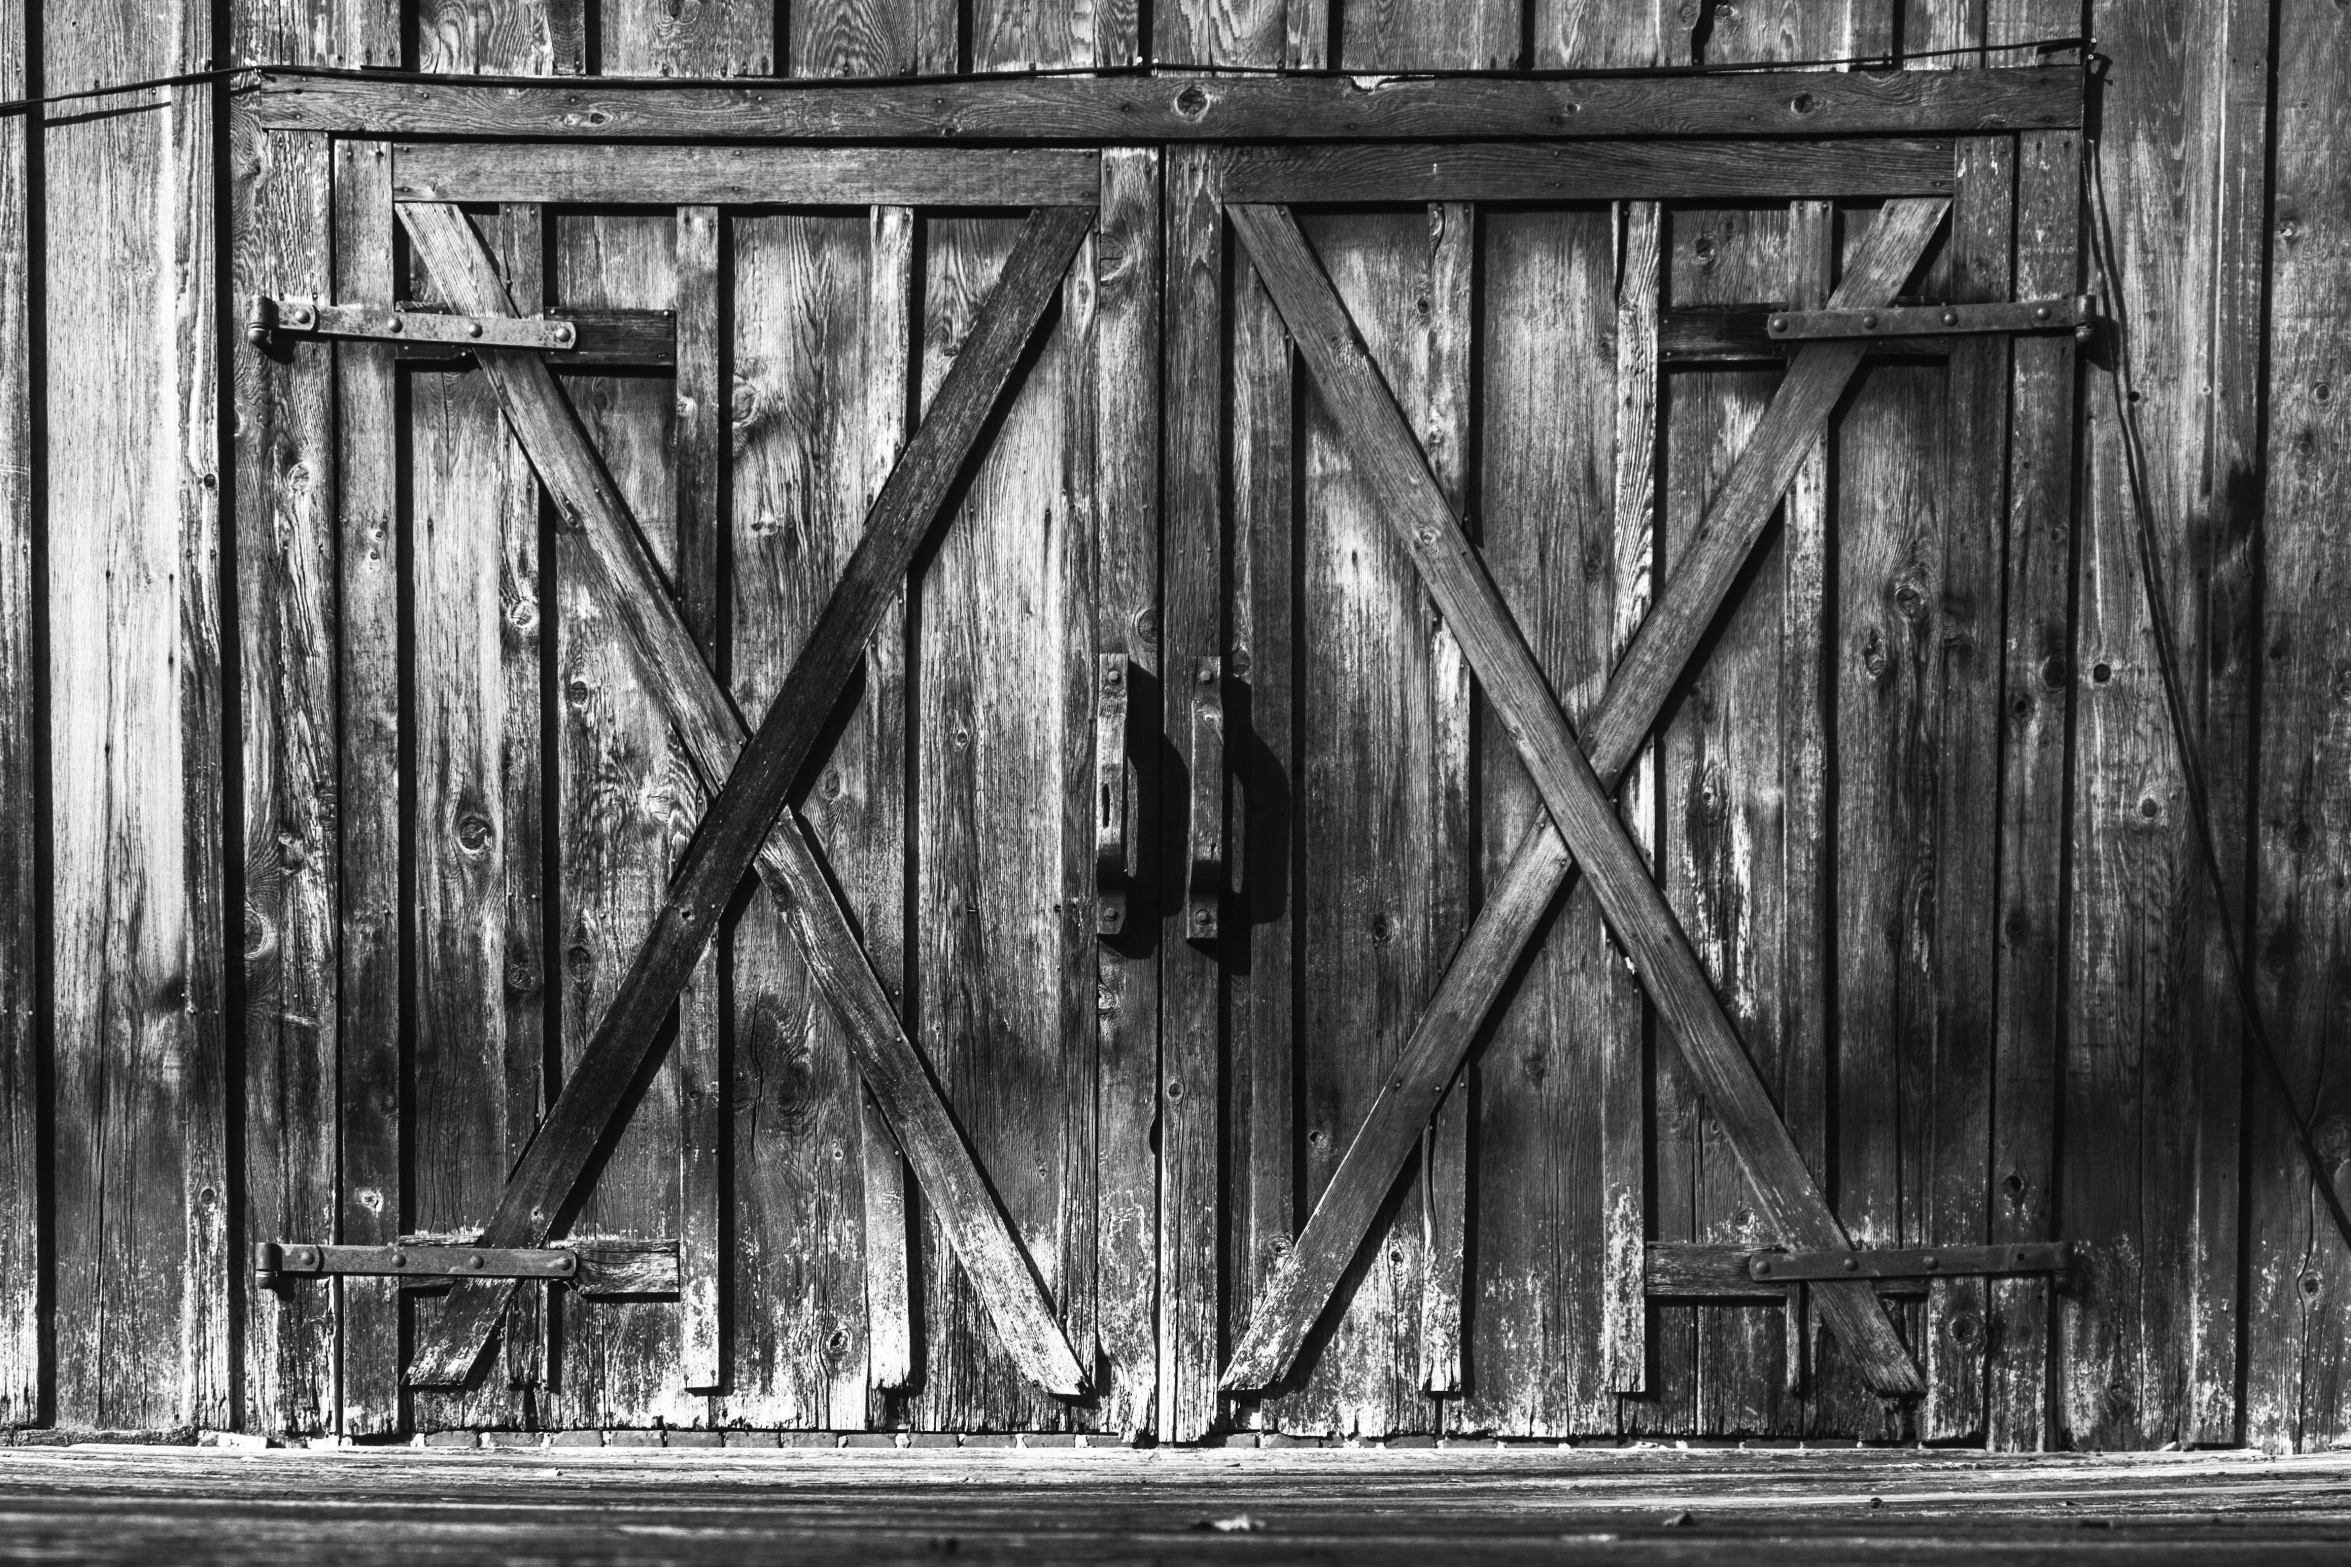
21 1049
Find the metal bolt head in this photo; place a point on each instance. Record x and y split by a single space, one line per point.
1762 1268
1850 1265
399 1259
1951 318
1779 323
1869 323
473 1259
1930 1262
2041 313
394 326
473 329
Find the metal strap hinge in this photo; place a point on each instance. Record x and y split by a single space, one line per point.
2076 315
274 1261
1791 1267
266 317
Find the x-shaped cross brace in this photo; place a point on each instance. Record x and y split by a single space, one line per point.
1575 782
749 823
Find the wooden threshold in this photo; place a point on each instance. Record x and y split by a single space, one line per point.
1182 107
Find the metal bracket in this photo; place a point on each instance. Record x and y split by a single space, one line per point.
2028 315
273 1261
1791 1267
266 317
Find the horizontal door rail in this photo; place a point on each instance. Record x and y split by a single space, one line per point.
669 175
1183 106
1674 170
593 1265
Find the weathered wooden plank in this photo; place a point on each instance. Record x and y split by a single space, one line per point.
1430 35
21 771
896 523
2298 1371
767 176
286 533
1444 422
2151 1103
499 37
1189 1108
1003 848
627 800
700 38
821 339
1183 107
1683 1270
139 1179
1482 963
1722 763
833 38
369 566
1604 171
479 1055
1548 522
1368 830
1126 621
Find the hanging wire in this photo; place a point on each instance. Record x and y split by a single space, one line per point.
2175 699
1145 70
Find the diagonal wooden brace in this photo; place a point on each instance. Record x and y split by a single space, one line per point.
1582 823
750 818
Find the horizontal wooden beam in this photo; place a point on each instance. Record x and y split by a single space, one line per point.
667 174
1183 106
1602 171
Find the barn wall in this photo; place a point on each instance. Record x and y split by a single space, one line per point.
182 752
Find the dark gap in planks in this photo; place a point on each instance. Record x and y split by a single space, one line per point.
890 1407
404 593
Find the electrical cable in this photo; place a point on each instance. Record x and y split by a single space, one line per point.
2175 695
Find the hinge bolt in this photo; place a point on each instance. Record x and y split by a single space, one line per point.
1951 318
1851 1265
473 329
1869 323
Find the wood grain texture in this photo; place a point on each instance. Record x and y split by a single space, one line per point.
1003 853
1190 1107
2298 1375
371 556
1125 520
1547 493
1428 35
731 829
703 38
819 411
872 38
1181 107
627 800
21 768
2151 1096
287 626
1573 795
140 1183
477 1075
781 176
1603 171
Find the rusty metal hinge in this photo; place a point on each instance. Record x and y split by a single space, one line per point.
2076 315
1925 1262
266 317
273 1261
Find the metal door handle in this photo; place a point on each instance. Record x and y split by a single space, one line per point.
1205 880
1111 873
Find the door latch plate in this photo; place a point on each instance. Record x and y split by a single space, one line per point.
388 323
1925 1262
2025 315
273 1261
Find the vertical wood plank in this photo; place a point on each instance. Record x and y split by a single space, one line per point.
371 1198
477 1082
140 1181
1190 1113
2152 1091
2298 1372
819 411
286 535
1443 424
1368 833
1223 32
1126 619
20 771
1005 956
872 37
696 38
1427 35
1546 492
629 803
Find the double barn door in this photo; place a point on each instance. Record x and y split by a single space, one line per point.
1151 789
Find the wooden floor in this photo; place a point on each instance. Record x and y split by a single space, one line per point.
1449 1506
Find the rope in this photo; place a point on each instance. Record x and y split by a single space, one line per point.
2175 695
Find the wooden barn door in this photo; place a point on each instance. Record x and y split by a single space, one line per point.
680 487
1596 705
